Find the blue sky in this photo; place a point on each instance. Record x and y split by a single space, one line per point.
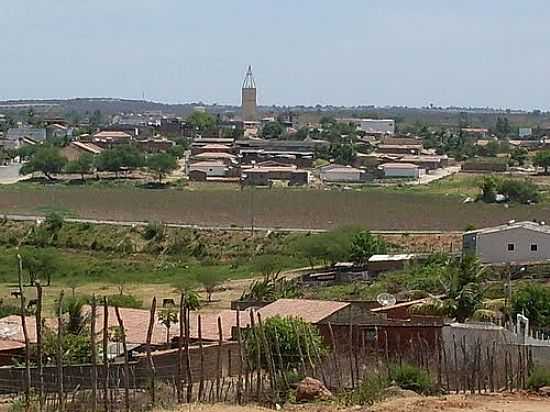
384 52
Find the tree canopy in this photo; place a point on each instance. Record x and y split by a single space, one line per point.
202 121
45 159
161 164
542 159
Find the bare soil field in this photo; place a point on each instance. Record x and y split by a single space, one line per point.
488 403
376 209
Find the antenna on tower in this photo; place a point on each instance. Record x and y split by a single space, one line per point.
249 82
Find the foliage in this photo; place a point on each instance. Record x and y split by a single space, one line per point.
210 280
291 335
370 390
329 247
538 378
519 156
8 310
154 230
77 320
202 121
168 316
534 302
40 264
120 158
522 191
268 265
45 159
542 159
272 130
271 288
410 377
125 301
161 164
53 222
503 128
488 188
364 245
76 348
83 165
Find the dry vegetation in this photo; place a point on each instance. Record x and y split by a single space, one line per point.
377 209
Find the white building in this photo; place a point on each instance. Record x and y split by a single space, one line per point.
373 126
339 173
515 242
402 170
212 169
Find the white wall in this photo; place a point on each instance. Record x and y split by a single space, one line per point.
211 171
493 247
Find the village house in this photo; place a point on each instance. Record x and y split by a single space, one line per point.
404 149
514 243
75 149
264 176
401 170
342 174
200 171
107 139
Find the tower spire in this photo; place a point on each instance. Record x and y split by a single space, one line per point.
249 82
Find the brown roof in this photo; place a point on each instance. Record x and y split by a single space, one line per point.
106 134
88 147
312 311
6 344
11 329
215 155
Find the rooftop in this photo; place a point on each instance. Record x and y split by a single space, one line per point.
312 311
535 226
399 166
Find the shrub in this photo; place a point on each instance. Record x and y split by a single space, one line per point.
539 377
125 301
410 377
522 191
54 222
153 230
8 310
370 391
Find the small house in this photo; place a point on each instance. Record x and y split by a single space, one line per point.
401 170
345 174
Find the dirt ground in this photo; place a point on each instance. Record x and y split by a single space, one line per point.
454 403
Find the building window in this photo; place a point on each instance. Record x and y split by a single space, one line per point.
534 247
511 247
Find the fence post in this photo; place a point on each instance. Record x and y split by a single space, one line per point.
269 359
60 389
336 365
241 359
186 313
219 359
300 352
258 355
126 366
105 349
179 387
148 349
25 333
39 354
201 353
350 354
94 354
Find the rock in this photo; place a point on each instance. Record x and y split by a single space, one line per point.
397 392
545 390
310 389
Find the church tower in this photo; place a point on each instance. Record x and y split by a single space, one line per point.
249 97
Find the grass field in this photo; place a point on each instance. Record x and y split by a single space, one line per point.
438 206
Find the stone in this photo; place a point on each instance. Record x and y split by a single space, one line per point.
310 389
397 392
545 390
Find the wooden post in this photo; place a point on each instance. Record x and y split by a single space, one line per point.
25 333
179 365
281 363
219 359
201 352
126 379
258 355
94 354
336 365
106 374
300 351
60 389
269 359
39 354
455 364
186 312
317 357
350 354
150 361
241 359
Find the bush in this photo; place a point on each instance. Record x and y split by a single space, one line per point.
522 191
125 301
54 222
539 377
370 391
410 377
153 230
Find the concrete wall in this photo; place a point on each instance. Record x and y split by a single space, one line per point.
493 247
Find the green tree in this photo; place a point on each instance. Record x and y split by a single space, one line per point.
364 244
542 159
522 191
120 158
210 280
534 302
40 263
272 130
45 159
293 336
83 165
519 156
488 186
492 148
202 121
167 317
161 164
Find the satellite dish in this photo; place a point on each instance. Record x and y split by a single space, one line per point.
386 299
